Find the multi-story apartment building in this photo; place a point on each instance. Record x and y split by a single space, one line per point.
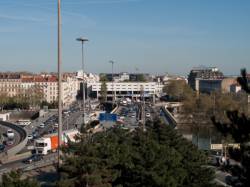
45 85
10 84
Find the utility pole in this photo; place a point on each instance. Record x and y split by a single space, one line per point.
82 40
59 86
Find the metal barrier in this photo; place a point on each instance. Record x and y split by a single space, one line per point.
40 164
22 143
114 110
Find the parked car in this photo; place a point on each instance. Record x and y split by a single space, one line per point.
148 115
33 158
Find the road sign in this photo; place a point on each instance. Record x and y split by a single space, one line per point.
107 117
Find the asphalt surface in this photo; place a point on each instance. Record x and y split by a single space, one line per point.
15 140
69 122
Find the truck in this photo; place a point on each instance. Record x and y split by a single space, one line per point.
49 143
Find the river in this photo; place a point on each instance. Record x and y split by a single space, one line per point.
203 137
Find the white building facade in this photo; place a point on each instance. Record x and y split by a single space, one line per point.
128 89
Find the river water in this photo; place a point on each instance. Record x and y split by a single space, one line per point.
202 137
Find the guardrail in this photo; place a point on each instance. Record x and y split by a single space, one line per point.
28 167
22 142
169 117
40 164
114 110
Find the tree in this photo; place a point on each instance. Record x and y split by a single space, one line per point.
141 78
103 77
3 100
13 179
178 90
116 157
103 92
239 129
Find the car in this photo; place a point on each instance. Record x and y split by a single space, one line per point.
9 142
55 125
30 137
148 115
10 134
42 125
35 134
2 147
122 117
33 158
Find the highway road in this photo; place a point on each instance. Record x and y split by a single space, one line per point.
12 143
69 122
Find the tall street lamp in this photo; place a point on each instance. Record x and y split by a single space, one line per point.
59 84
82 40
112 62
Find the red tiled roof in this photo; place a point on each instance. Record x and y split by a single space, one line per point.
39 79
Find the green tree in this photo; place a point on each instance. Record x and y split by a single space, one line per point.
239 128
178 90
141 78
116 157
103 77
13 179
103 92
3 100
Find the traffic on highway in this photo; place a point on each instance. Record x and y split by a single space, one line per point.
42 132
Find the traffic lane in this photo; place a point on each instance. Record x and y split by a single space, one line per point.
68 123
19 164
37 122
12 142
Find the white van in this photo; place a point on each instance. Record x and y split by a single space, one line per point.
10 134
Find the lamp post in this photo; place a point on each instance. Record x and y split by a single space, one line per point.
112 62
82 40
59 84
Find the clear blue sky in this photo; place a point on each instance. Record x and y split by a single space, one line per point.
153 35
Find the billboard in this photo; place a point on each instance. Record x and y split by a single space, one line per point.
107 117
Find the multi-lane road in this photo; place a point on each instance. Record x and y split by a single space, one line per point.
49 119
9 143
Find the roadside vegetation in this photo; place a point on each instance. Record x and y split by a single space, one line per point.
238 128
32 97
199 108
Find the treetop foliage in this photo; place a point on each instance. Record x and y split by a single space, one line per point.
157 157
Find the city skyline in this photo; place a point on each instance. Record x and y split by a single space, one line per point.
156 37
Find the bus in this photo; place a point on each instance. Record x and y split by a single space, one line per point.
23 122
